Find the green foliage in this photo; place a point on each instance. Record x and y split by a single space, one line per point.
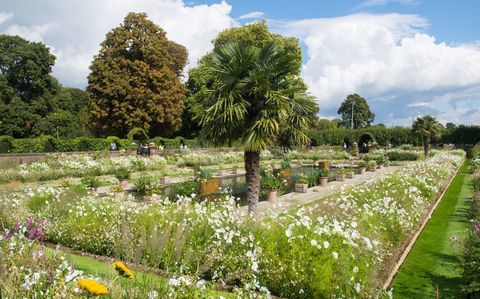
362 116
26 86
468 135
399 155
312 176
362 164
324 172
146 185
137 134
6 144
394 135
122 174
135 80
286 163
185 188
90 182
202 173
271 182
239 109
277 107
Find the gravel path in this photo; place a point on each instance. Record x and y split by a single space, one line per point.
292 200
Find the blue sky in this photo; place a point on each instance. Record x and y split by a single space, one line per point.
406 57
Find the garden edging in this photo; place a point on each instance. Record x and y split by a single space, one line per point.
410 242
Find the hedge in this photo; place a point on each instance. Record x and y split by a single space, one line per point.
337 136
43 144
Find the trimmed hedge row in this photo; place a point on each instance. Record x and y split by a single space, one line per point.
44 144
337 136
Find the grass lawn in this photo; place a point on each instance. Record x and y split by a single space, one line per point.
433 266
147 280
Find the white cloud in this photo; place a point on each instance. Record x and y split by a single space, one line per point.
252 15
380 56
75 29
5 17
371 3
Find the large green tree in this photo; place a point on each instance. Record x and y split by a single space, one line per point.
256 34
250 98
362 115
135 80
26 86
428 128
69 118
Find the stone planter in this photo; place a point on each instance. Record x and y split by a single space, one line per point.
372 169
386 164
323 181
272 195
124 184
362 170
164 180
301 188
340 177
380 166
209 186
349 175
93 192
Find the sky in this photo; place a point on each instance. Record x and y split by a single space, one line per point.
407 58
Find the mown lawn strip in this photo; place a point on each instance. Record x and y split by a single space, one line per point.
433 266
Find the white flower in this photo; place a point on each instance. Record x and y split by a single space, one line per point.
313 242
174 282
357 287
335 255
355 270
326 244
255 266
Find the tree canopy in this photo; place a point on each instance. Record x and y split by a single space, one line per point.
362 116
428 128
256 34
134 80
26 86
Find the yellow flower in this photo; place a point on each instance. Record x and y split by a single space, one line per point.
123 270
92 287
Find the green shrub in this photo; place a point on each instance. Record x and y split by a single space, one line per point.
146 185
185 188
397 155
90 182
122 174
6 144
311 177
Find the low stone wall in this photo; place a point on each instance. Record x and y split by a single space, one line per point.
24 158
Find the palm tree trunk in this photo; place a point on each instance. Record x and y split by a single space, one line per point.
252 178
426 141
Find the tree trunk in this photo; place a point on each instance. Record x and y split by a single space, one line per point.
252 179
426 141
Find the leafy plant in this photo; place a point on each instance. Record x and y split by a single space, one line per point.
202 173
185 188
90 182
372 164
324 173
122 174
311 176
341 171
286 163
302 180
362 164
146 185
271 182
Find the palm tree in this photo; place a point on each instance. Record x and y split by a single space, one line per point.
253 102
427 128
